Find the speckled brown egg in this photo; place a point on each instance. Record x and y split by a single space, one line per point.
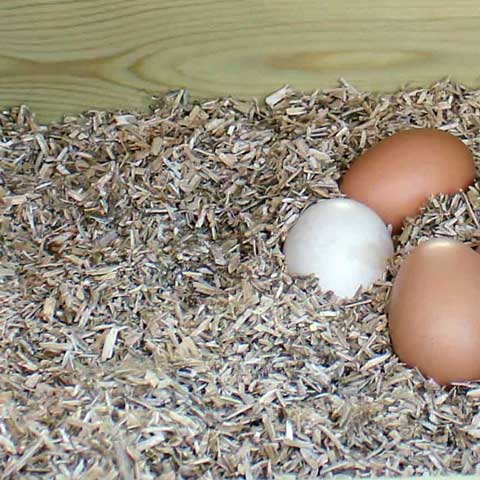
434 311
396 176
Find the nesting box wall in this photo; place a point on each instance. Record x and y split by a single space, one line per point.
64 57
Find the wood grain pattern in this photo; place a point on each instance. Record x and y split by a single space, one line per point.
64 56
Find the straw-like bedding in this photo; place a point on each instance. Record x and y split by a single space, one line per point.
148 327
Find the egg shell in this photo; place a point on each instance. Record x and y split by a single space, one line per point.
344 243
434 311
396 176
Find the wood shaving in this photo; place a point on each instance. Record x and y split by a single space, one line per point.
149 329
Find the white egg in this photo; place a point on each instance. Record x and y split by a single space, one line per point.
341 241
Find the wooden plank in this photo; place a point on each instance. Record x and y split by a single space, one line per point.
63 56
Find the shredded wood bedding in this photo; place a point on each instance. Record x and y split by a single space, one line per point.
148 326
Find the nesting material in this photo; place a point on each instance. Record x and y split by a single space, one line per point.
148 328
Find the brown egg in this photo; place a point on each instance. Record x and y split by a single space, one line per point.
396 176
434 311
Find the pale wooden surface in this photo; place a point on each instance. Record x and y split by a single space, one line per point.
62 56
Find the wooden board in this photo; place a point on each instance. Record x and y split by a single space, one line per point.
63 56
